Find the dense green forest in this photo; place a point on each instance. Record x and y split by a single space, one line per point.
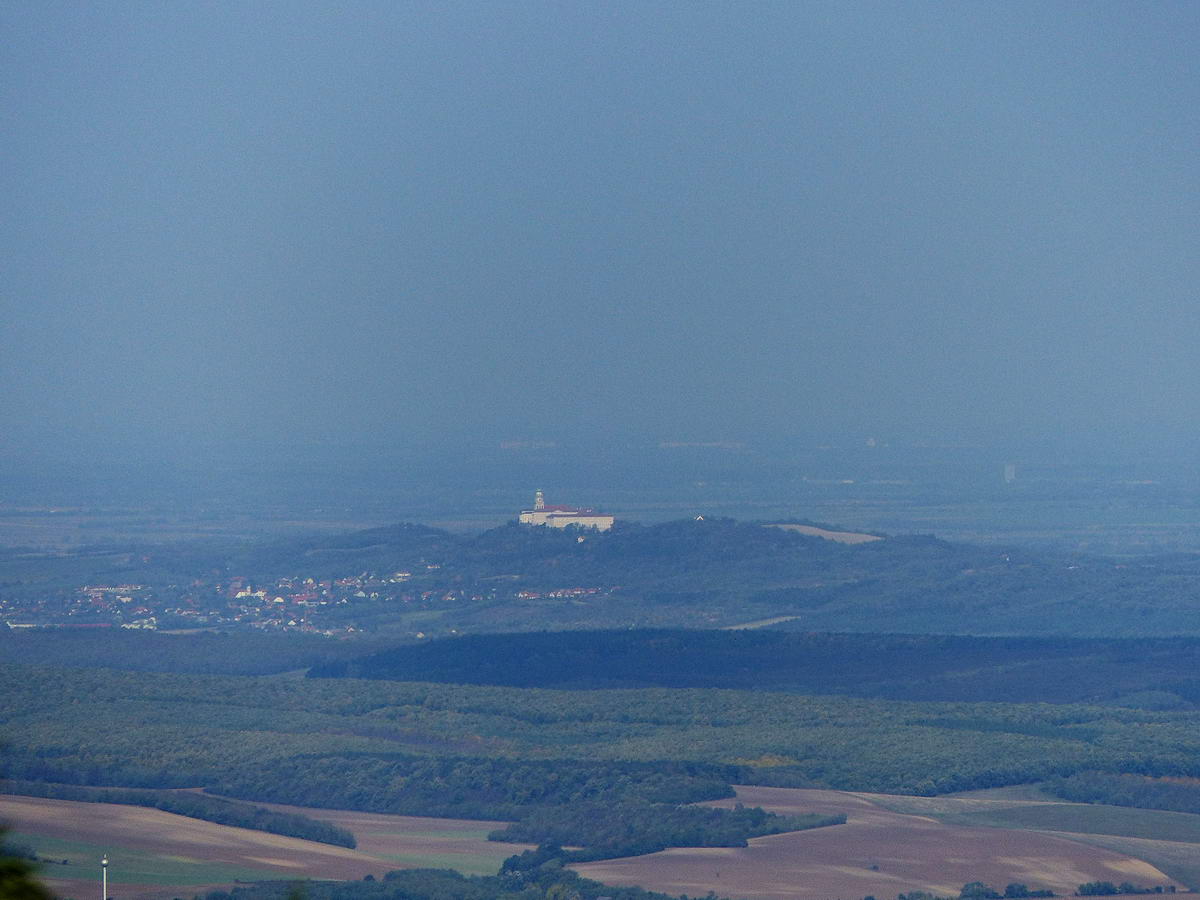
538 875
1146 672
607 808
207 653
631 829
547 881
197 806
348 739
1144 792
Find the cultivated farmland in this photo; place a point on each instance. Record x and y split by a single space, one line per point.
877 852
153 852
890 844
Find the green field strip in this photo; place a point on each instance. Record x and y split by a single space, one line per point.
127 866
1118 821
474 835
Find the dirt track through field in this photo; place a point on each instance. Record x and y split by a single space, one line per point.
876 852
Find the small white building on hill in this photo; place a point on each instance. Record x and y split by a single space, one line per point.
563 516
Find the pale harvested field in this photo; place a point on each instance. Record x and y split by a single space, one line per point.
183 855
950 805
178 856
1181 858
460 844
841 537
760 623
876 852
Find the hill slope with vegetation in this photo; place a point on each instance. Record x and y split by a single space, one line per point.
1138 672
696 574
493 752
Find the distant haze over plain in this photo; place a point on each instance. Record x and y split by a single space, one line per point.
295 234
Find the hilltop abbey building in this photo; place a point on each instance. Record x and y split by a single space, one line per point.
563 516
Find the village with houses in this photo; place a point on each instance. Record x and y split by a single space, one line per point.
300 602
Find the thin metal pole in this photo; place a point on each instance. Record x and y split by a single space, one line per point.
104 878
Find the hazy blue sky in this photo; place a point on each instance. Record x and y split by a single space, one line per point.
261 223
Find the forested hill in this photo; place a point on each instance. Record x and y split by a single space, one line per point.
1144 672
697 574
627 555
722 572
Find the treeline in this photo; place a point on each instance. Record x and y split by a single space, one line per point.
241 653
539 875
195 806
1146 672
1141 791
548 882
977 890
899 667
471 788
330 741
1108 889
631 829
610 809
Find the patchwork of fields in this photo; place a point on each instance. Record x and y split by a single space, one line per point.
154 853
877 852
890 844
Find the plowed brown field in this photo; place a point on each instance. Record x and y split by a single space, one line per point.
155 853
876 852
